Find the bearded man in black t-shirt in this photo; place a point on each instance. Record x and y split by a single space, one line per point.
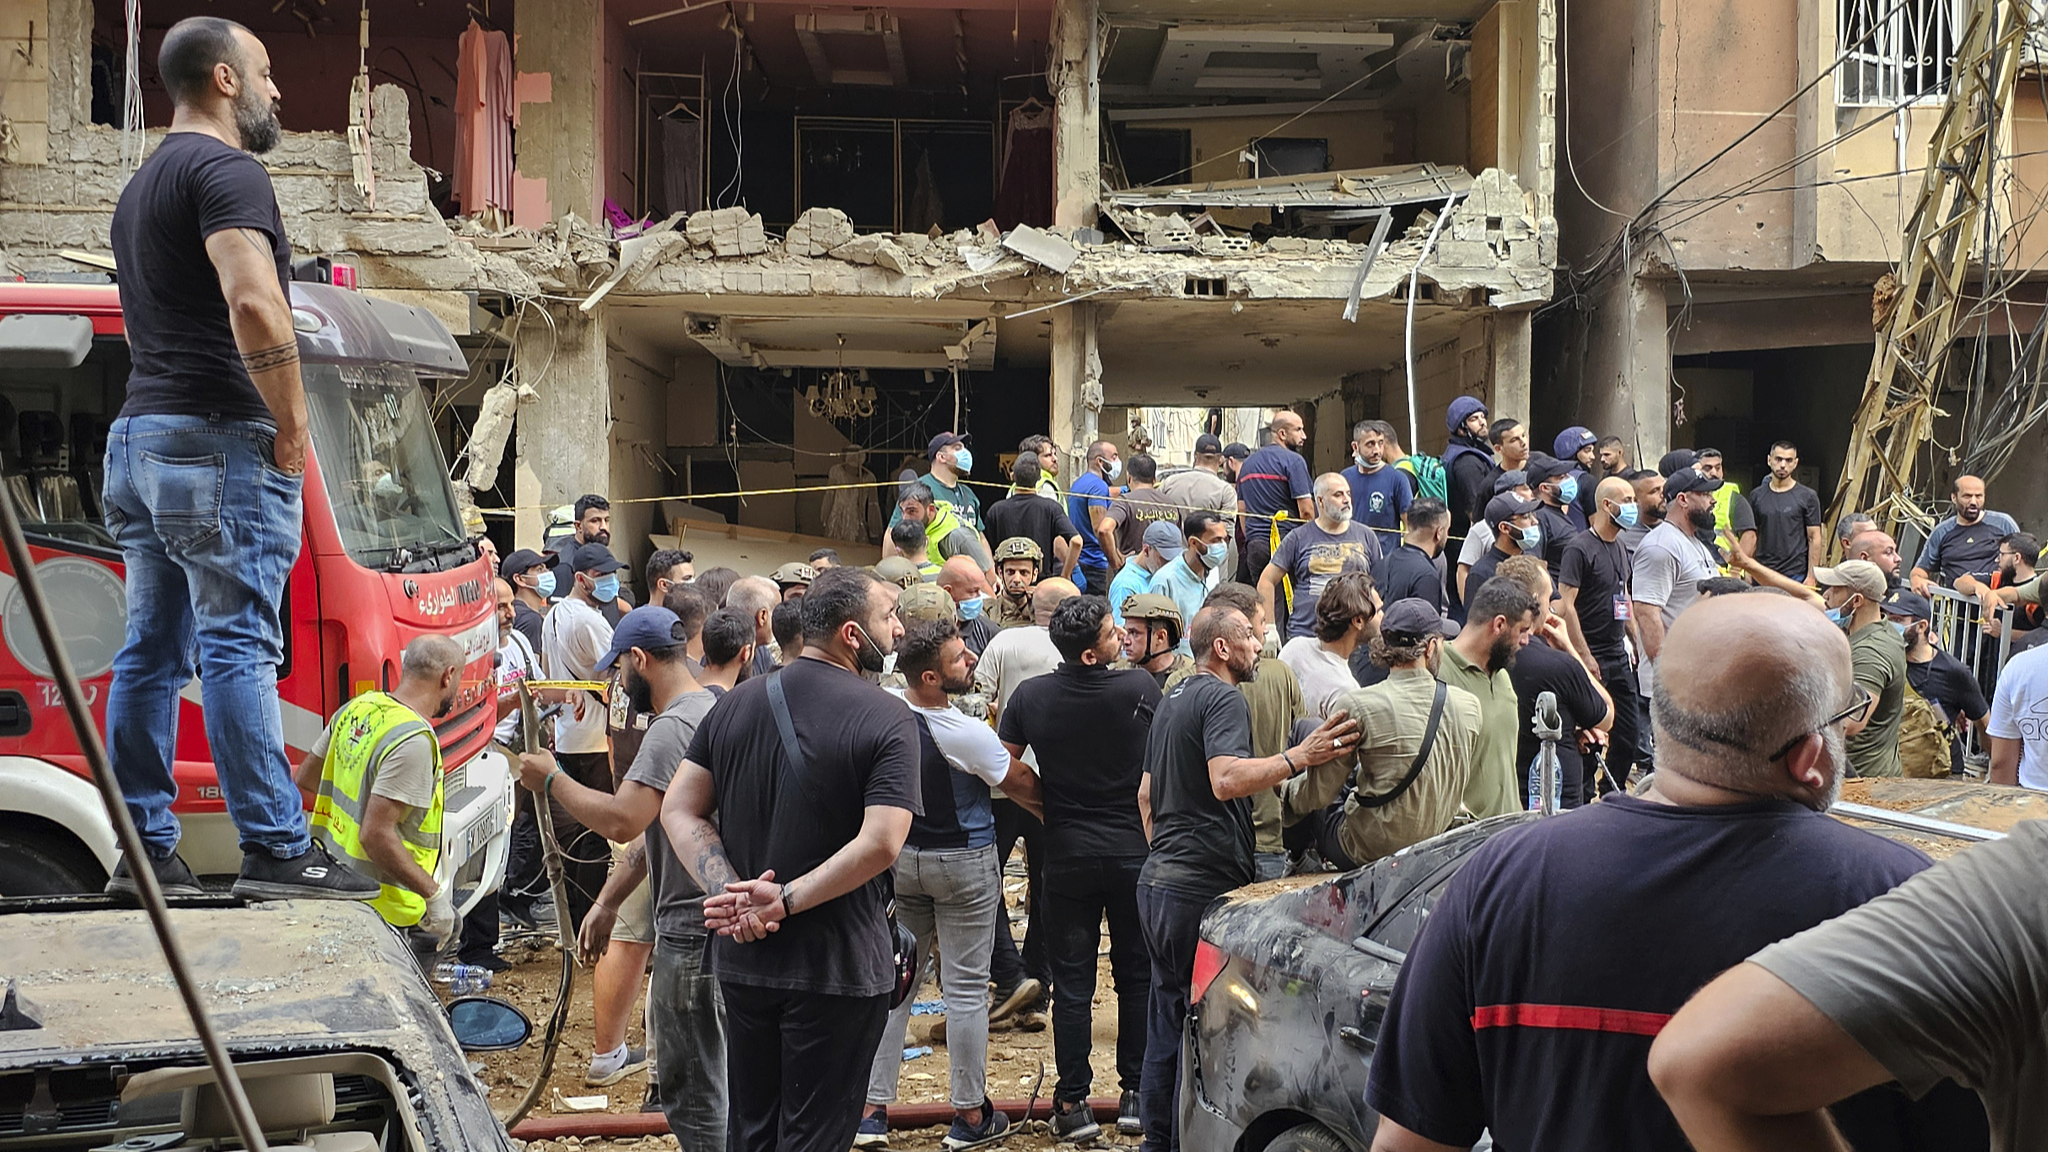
804 953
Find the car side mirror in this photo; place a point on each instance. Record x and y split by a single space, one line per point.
487 1024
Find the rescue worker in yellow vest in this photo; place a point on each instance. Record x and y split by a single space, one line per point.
375 780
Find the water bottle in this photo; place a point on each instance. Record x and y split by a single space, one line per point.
462 979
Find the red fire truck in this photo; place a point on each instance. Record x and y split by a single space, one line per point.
385 559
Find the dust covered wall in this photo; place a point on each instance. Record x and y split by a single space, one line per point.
639 435
1439 376
1356 140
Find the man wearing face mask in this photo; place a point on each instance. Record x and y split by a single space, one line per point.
532 577
1939 678
1380 493
961 579
593 526
1556 490
1185 578
574 638
1593 581
1163 542
1318 552
1576 446
1088 511
1516 532
374 777
1508 1006
1852 595
1668 567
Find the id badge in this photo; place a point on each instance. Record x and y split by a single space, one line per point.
1621 608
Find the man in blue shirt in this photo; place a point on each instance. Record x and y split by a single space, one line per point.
1965 544
1088 508
1379 494
1185 578
1273 482
1162 543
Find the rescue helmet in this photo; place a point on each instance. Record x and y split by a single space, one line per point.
1156 608
896 570
1020 548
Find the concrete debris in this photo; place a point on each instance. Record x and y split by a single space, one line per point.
818 231
1169 232
874 249
1042 247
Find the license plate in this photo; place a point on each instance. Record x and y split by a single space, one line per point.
478 835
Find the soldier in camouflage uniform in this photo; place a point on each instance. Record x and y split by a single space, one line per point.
1018 560
1152 631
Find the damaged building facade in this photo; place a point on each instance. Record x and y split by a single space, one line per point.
772 248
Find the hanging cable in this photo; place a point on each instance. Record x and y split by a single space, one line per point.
131 90
1414 280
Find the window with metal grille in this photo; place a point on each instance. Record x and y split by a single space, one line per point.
1894 51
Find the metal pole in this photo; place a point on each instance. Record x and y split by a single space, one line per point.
230 1081
1549 728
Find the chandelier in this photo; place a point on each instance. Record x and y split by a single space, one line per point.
841 396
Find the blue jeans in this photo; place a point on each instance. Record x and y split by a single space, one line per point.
209 528
1173 925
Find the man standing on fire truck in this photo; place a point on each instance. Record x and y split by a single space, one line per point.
205 468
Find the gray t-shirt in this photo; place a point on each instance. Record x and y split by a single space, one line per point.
1946 976
678 901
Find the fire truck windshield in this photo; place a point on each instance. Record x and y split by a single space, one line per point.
375 442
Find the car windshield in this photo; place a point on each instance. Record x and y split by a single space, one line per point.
382 463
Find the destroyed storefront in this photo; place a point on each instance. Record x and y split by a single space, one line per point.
707 249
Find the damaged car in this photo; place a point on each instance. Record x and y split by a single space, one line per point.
340 1043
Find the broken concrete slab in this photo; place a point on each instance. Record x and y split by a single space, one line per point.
1041 247
874 249
817 232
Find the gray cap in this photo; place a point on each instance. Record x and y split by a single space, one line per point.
1512 478
1414 616
1507 506
1163 537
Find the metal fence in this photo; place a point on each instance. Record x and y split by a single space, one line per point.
1958 629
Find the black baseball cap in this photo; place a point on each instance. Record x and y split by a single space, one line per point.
1542 466
1208 444
594 558
647 628
1686 480
1507 506
945 440
1236 450
1674 460
1906 602
523 561
1512 478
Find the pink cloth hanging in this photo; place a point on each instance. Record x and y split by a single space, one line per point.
485 115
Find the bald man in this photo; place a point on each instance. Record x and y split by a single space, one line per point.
1533 1018
961 578
1965 544
1880 549
1274 492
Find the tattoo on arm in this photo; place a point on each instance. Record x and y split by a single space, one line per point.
789 897
266 359
713 870
255 240
635 855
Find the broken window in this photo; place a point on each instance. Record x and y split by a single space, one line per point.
1893 51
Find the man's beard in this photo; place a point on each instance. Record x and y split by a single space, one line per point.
256 122
1500 655
1249 672
1701 518
601 536
1650 515
447 703
958 687
1341 516
639 692
1435 660
1838 754
1963 517
2007 574
870 656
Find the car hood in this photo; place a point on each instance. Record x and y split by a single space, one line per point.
275 976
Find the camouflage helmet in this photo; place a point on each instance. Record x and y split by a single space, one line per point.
896 570
796 573
1020 548
925 603
1157 608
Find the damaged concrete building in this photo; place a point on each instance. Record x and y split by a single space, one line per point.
756 247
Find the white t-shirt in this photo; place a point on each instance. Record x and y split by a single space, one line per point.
1014 656
1478 539
2019 711
517 662
969 745
574 637
1322 673
1668 567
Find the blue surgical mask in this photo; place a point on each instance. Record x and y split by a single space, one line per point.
1626 514
1567 489
1899 628
544 585
1839 617
1213 555
1532 537
607 589
963 461
1112 468
970 608
1364 465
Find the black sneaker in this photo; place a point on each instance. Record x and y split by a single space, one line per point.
171 875
1007 1002
962 1135
1129 1121
1074 1125
311 875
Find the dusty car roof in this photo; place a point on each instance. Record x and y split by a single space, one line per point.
277 975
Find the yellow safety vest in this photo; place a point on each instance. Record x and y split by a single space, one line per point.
363 733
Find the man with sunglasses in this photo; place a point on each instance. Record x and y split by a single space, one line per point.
1852 595
1533 1017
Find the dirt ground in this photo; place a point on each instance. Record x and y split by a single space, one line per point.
1017 1049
